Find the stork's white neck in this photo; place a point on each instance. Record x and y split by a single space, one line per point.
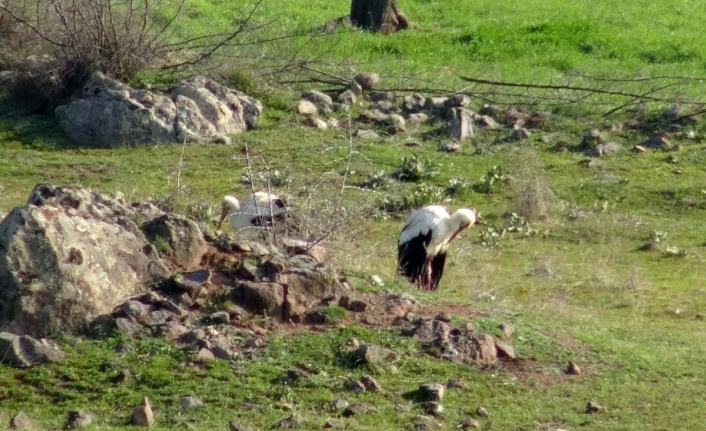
460 220
232 203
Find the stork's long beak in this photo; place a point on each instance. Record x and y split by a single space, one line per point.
224 213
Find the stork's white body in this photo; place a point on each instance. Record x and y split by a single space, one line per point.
424 240
259 207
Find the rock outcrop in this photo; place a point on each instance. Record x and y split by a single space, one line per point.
110 114
70 255
25 351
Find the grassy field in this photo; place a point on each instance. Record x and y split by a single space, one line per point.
579 288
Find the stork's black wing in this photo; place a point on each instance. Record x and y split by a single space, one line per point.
411 256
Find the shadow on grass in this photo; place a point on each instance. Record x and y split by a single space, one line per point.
35 131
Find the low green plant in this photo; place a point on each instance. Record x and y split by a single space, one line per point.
333 314
276 178
494 176
673 251
160 243
414 169
457 186
376 181
423 194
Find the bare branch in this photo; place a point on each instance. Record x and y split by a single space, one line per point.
31 27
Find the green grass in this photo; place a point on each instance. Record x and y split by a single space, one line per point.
581 277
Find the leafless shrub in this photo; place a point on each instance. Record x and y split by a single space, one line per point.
534 199
66 40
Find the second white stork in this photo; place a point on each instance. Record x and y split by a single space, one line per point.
257 210
424 240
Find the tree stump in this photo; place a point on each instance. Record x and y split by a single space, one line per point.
378 15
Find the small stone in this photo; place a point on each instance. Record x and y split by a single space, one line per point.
639 149
378 96
456 383
347 97
366 134
368 80
460 125
222 139
397 123
205 355
402 408
592 136
490 110
660 141
521 134
417 118
357 306
256 342
220 318
467 423
122 376
317 98
174 332
355 386
142 415
506 329
432 391
413 144
593 407
610 148
384 106
339 404
443 317
352 343
191 337
487 122
174 308
505 350
449 146
190 402
20 422
374 116
370 384
235 426
78 419
355 409
290 422
316 123
128 326
222 352
573 369
414 103
331 423
482 412
355 88
376 280
191 281
672 159
433 408
672 112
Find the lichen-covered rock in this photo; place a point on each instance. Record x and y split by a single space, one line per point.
111 114
305 275
263 298
70 255
181 236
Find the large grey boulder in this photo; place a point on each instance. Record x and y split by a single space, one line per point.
68 256
108 113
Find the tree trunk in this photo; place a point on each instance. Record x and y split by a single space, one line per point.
377 15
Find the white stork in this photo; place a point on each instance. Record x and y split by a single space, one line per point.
258 209
422 244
